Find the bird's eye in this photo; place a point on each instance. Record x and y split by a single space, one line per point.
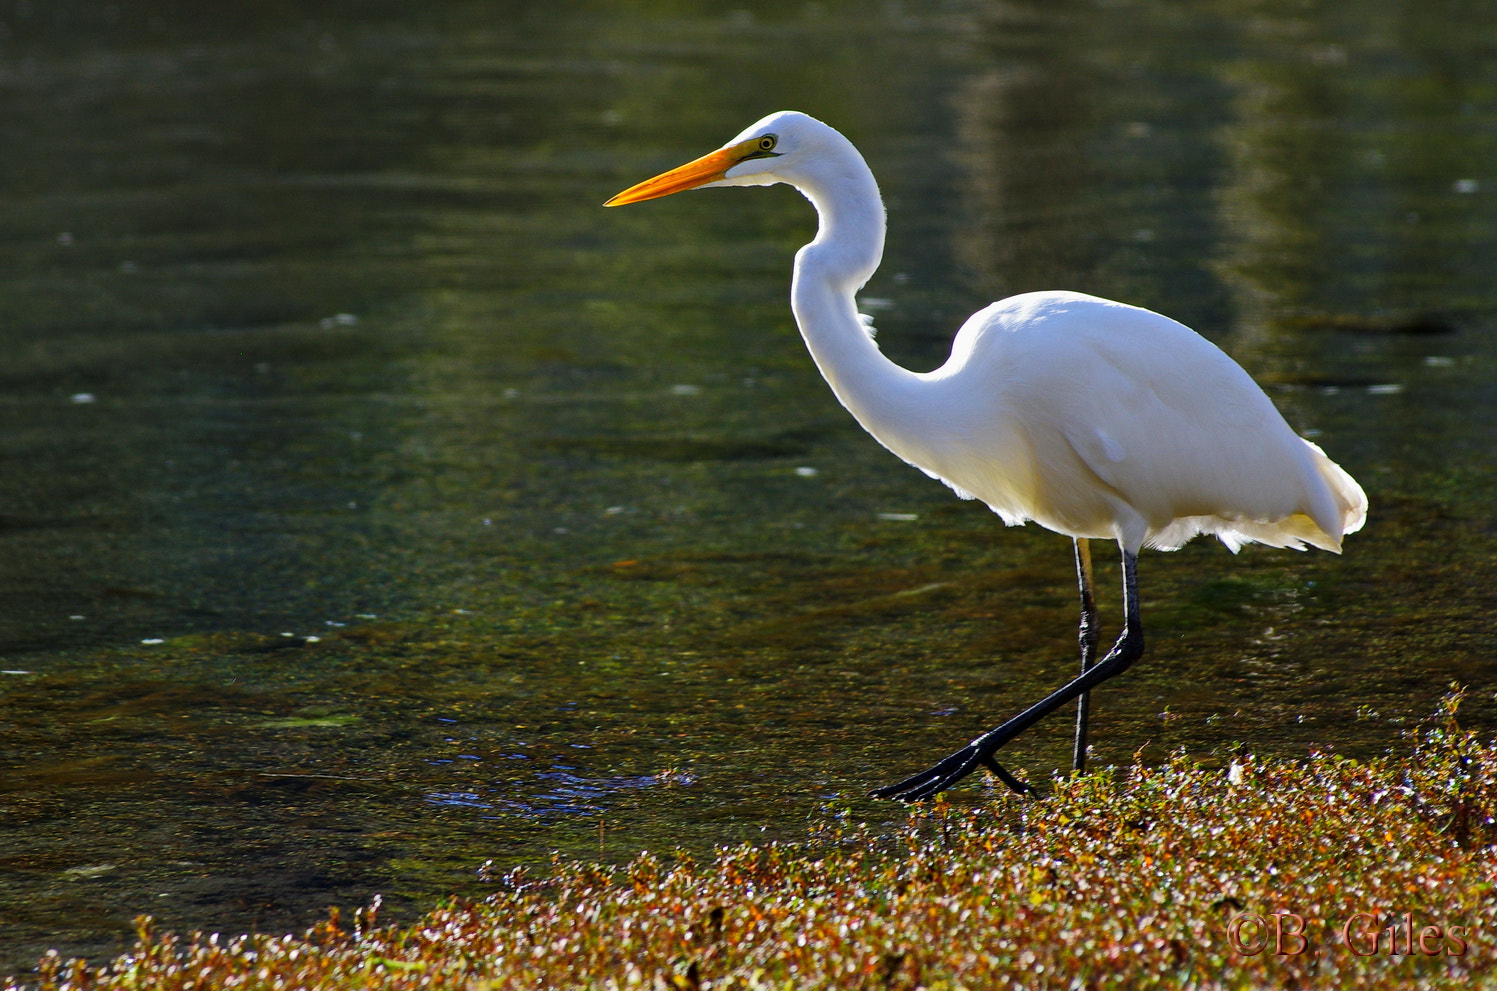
760 147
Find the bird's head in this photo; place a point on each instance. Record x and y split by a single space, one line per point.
776 149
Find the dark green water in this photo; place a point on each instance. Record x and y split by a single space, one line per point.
374 505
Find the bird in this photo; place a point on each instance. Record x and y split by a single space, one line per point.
1095 419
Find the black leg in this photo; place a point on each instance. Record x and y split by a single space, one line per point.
979 753
1090 633
1014 784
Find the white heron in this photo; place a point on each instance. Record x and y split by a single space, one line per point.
1094 419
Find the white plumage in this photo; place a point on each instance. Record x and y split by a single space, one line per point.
1114 421
1092 418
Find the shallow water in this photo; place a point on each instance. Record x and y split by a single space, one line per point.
377 506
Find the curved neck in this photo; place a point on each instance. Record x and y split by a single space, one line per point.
828 273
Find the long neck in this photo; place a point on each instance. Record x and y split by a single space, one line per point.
828 273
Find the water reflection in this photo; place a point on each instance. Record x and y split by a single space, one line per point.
526 482
1332 180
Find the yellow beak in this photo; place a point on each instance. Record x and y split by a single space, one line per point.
708 168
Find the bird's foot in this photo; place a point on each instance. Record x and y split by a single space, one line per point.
948 771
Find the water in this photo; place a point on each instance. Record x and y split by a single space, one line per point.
377 506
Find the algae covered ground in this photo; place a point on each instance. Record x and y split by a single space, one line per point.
1319 872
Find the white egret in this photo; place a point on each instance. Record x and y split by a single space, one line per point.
1092 418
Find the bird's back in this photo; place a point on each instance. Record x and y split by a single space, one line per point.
1099 419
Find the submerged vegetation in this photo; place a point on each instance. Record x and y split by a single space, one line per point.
1323 872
